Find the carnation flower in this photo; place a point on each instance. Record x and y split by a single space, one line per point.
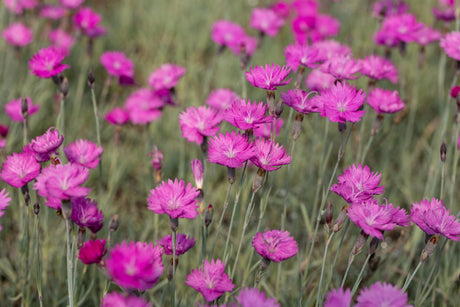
92 251
427 35
13 109
385 101
325 26
46 145
301 55
378 68
319 81
450 45
231 149
198 172
281 8
255 297
196 123
328 49
183 244
445 12
17 34
396 29
382 294
86 20
117 64
245 44
342 67
210 281
268 77
226 33
118 300
245 115
275 245
18 6
300 101
269 155
266 21
85 213
19 168
144 106
117 116
71 4
338 298
166 77
53 12
61 41
47 63
4 202
84 153
265 130
385 8
221 99
135 265
157 158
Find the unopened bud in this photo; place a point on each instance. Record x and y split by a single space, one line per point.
114 223
174 224
172 268
271 102
57 80
66 207
24 107
340 219
329 215
279 108
342 127
258 180
208 216
198 172
36 208
359 243
264 264
429 247
375 242
91 79
231 174
204 146
65 87
81 237
443 152
377 124
297 126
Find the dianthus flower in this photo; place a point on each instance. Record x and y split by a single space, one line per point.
46 145
53 12
144 106
117 64
427 35
166 77
281 8
319 81
265 130
266 21
198 172
119 300
157 158
445 10
450 45
358 184
84 153
384 101
381 294
175 199
71 4
61 40
342 67
4 202
14 109
338 298
221 99
231 149
275 245
19 168
269 155
434 218
244 115
300 101
328 49
255 297
301 55
341 103
226 33
210 281
325 26
378 68
135 265
47 63
17 34
385 8
396 29
301 26
117 116
196 123
85 213
268 77
86 20
18 6
92 251
183 244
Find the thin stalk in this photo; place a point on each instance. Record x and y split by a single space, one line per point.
360 276
319 292
443 175
283 217
409 280
173 285
346 271
61 116
98 131
221 218
37 254
454 166
366 149
69 264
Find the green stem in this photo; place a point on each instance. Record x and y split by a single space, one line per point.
221 218
360 276
366 149
319 292
409 280
98 131
37 253
69 264
173 285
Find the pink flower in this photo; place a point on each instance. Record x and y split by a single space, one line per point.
328 49
450 45
385 101
396 29
183 244
338 298
19 168
18 6
144 106
53 12
92 251
61 41
14 109
85 213
297 54
231 150
46 145
198 172
4 202
378 68
244 115
266 21
342 67
358 184
221 99
325 26
196 123
265 130
246 45
47 63
226 33
118 300
427 35
84 153
174 199
341 103
117 64
269 155
117 116
255 297
86 20
389 7
301 27
157 158
275 245
434 218
166 77
17 34
71 4
210 281
300 101
281 8
135 265
380 294
268 77
444 12
319 81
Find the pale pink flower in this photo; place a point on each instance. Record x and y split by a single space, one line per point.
319 81
384 101
342 67
14 109
18 6
53 12
17 34
380 295
328 49
71 4
197 123
378 68
325 26
19 169
84 153
166 76
266 21
275 245
144 106
255 297
221 99
450 45
117 64
226 33
427 35
268 77
61 41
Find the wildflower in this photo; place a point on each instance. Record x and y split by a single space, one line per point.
14 109
46 145
338 298
266 21
244 45
378 68
53 12
4 202
84 153
221 99
135 265
183 244
382 294
301 55
342 67
92 251
85 213
427 35
3 133
385 101
226 33
328 49
434 218
255 297
117 64
17 34
275 245
450 45
86 20
396 29
143 106
198 172
302 26
118 300
269 155
299 101
71 4
47 63
268 77
18 6
231 150
265 130
210 281
319 81
281 8
19 168
385 8
166 77
61 41
117 116
245 115
358 184
325 26
445 11
157 158
197 123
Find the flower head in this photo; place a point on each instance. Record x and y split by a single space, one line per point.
47 63
269 155
92 251
117 116
268 77
183 244
231 149
265 130
119 300
380 295
300 101
135 265
328 49
396 29
319 81
86 20
301 55
244 115
18 6
71 4
385 8
226 33
378 68
53 12
255 297
196 123
85 213
342 67
17 34
19 168
84 153
61 40
275 245
157 158
427 35
14 109
4 202
450 45
198 172
325 26
144 106
338 298
385 101
266 21
221 99
46 145
210 281
117 64
166 77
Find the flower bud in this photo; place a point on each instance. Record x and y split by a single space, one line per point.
174 224
208 216
198 172
81 237
91 79
24 107
231 174
297 126
340 219
258 180
329 215
66 207
359 243
429 247
443 152
114 223
36 208
65 87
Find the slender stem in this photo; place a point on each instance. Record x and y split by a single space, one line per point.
69 264
443 175
409 280
229 230
173 286
360 276
350 261
221 219
61 116
283 217
366 149
98 131
319 292
37 253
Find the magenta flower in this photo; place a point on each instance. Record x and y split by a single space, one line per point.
381 295
338 298
302 27
198 172
378 68
301 55
17 34
196 123
300 101
342 67
319 81
86 20
144 106
231 150
19 168
4 202
166 77
117 64
174 199
245 44
244 115
269 155
183 244
61 40
434 218
47 63
342 103
85 213
396 29
71 4
385 8
18 6
118 300
46 145
84 153
427 35
53 12
281 8
210 281
226 33
255 297
450 45
221 99
325 26
92 251
358 184
328 49
14 109
157 158
265 130
275 245
385 101
266 21
117 116
268 77
135 265
445 11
